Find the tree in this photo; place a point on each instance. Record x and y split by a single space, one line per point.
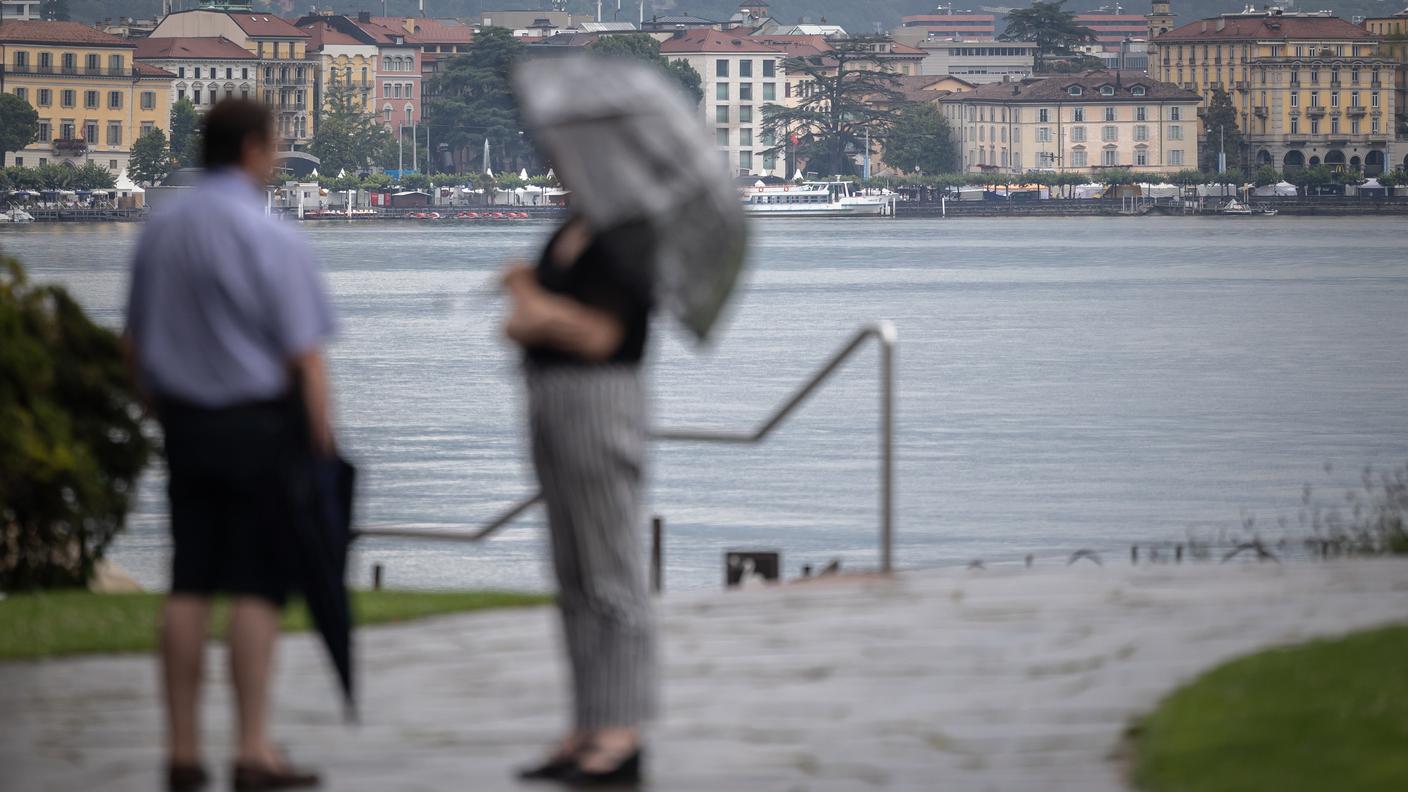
71 442
849 93
1266 175
93 176
19 124
921 140
151 159
471 100
348 138
643 47
185 134
1050 26
1220 132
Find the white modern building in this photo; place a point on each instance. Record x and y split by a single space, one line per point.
978 62
738 76
19 9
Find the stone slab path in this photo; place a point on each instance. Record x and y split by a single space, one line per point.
997 679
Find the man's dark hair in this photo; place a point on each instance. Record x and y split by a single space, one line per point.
228 125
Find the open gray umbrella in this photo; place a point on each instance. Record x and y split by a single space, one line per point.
630 146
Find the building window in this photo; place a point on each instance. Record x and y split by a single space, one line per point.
1354 126
745 92
1295 98
745 115
1335 125
1109 134
1175 132
229 72
1353 98
90 132
1074 90
745 160
1374 126
1077 114
1314 126
195 95
1314 98
1141 132
1314 77
721 91
66 98
1173 114
721 137
114 100
112 165
22 93
66 130
1175 157
1141 113
90 99
115 64
1295 125
114 133
46 61
90 64
769 92
197 72
745 68
1138 90
1334 98
1078 134
1078 158
21 60
46 97
45 132
745 137
721 114
1043 134
721 67
1141 157
1109 114
1041 115
181 72
769 68
1373 98
148 100
1107 90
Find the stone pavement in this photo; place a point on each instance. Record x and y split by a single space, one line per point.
997 679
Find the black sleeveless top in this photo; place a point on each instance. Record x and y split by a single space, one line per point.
615 274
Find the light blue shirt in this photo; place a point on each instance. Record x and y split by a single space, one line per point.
222 297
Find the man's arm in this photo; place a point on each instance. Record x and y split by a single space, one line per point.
313 376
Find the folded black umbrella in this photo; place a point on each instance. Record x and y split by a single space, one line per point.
323 537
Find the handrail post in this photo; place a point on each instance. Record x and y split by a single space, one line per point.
885 334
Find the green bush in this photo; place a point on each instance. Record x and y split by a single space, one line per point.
71 444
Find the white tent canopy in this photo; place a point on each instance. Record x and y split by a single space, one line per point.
523 174
1161 190
1087 191
1279 189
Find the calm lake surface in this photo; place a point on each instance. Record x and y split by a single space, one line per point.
1064 383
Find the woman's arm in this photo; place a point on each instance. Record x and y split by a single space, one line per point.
313 378
543 319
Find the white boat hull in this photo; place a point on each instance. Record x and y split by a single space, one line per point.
814 210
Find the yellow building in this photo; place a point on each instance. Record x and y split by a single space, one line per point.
93 100
1392 33
1309 88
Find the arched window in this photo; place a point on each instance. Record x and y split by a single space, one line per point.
386 111
386 63
409 111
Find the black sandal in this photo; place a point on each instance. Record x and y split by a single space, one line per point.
556 768
186 778
627 773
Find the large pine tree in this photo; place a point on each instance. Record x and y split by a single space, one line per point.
1220 132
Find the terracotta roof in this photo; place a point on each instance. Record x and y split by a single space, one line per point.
916 87
800 45
267 26
321 34
567 40
1266 27
430 31
708 40
386 35
191 48
148 70
897 48
37 32
1048 90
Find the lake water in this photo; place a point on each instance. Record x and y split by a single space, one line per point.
1063 384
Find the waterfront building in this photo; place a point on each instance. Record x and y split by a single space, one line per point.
20 10
206 69
380 62
1076 123
1392 33
94 100
739 75
945 23
1309 88
285 77
672 22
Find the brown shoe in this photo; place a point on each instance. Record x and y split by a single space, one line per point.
186 778
253 778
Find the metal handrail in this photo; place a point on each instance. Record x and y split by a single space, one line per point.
883 332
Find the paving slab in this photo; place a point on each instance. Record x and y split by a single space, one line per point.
995 679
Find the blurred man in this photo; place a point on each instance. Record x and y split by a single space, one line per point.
226 319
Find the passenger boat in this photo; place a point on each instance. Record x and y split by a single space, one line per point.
814 199
1236 208
16 215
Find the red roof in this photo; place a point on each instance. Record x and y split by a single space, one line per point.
320 34
267 26
708 40
1267 27
37 32
191 48
148 70
797 46
430 31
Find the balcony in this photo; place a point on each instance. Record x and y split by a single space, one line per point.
292 108
51 71
1260 112
1357 111
70 146
1315 111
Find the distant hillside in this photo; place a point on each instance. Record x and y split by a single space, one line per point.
857 16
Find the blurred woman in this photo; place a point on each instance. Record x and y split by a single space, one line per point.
582 318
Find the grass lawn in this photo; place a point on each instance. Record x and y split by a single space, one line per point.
57 623
1327 715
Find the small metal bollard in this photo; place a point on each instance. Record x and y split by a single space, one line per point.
1178 553
1134 554
806 570
376 577
657 554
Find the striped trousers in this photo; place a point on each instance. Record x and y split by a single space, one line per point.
588 426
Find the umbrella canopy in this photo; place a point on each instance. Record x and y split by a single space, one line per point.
523 174
322 539
632 149
487 169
